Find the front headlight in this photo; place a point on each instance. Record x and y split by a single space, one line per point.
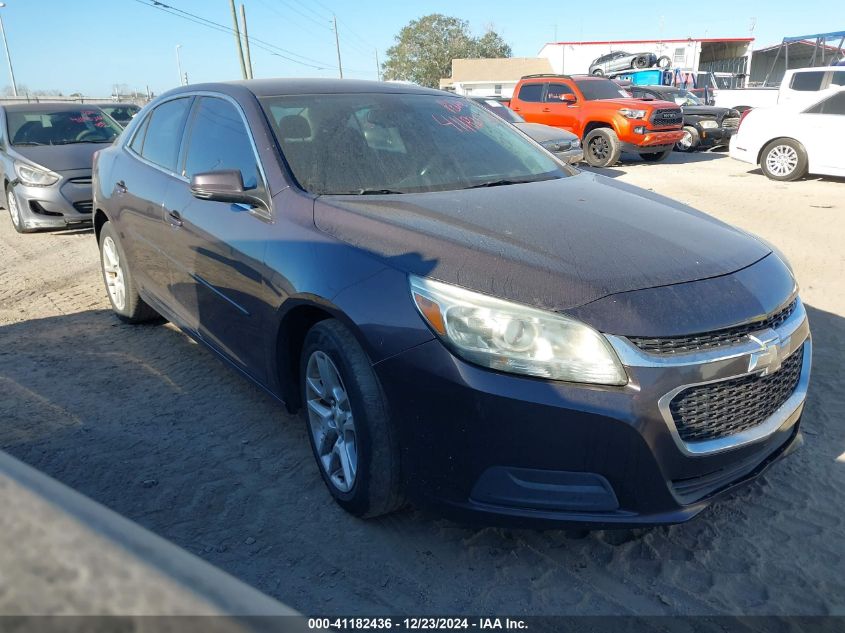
33 176
708 124
575 143
515 338
629 113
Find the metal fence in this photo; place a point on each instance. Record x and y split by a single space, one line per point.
136 99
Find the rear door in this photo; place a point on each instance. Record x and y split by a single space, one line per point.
528 101
148 171
821 123
219 278
558 112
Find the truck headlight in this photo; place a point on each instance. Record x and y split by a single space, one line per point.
708 124
515 338
630 113
34 176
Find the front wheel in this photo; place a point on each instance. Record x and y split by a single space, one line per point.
598 72
641 62
689 141
784 159
15 212
656 157
349 427
602 147
120 284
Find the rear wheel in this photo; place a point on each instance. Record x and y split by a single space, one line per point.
656 157
602 147
120 284
784 159
641 62
689 141
351 434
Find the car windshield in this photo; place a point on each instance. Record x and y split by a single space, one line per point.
500 110
683 98
60 127
374 143
595 88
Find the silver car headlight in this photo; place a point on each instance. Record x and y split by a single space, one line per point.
34 176
575 143
515 338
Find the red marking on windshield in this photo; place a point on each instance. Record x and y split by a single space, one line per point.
460 123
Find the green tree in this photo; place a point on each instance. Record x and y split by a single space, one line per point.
425 48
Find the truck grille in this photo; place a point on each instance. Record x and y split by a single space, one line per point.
721 409
730 123
85 206
667 117
716 338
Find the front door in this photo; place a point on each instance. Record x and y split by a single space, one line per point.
561 113
219 277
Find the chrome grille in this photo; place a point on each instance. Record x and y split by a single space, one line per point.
667 117
730 123
716 338
721 409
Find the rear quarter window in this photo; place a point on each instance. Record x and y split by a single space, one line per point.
807 82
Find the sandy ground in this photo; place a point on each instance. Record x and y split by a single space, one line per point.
153 426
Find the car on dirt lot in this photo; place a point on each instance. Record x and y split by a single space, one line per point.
604 115
789 141
704 126
460 317
565 145
45 161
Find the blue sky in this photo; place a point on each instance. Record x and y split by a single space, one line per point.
89 47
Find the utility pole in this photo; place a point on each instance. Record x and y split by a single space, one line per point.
237 33
337 45
246 43
378 68
179 64
9 55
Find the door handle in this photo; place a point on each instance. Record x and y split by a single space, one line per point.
174 218
120 187
547 109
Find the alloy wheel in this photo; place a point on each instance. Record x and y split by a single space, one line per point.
115 282
331 421
782 160
686 141
599 148
14 210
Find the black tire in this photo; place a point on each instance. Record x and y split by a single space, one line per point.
602 147
664 62
377 484
598 72
656 157
789 148
17 223
694 140
641 62
134 309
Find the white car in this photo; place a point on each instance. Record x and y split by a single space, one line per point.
789 142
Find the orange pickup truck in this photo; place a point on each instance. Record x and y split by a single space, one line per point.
602 114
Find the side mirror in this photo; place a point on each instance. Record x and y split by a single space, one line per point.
569 98
225 185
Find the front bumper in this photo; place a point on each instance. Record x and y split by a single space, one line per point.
715 137
67 203
499 448
741 153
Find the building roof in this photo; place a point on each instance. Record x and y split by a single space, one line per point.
496 69
686 39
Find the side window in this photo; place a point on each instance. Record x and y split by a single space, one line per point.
531 92
219 140
164 133
556 92
837 78
831 105
807 82
137 144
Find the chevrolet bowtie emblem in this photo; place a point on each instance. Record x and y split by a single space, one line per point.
769 358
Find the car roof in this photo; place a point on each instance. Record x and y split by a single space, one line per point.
47 107
285 87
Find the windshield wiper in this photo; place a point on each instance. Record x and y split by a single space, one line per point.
28 143
75 142
504 181
376 192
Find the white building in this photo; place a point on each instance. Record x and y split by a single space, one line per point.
690 54
492 77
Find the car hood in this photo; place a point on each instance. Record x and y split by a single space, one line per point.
61 157
544 133
554 244
637 104
705 110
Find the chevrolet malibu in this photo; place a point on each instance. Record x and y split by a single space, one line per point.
463 320
45 160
